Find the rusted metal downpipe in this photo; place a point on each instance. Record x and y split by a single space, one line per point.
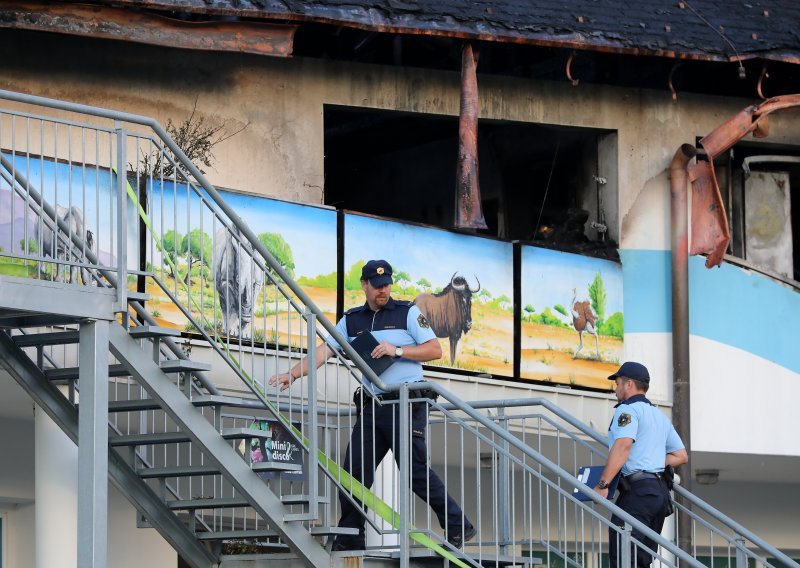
679 178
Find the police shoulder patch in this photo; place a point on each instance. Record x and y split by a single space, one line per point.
624 419
423 323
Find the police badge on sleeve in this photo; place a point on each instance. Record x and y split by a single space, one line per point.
623 420
423 323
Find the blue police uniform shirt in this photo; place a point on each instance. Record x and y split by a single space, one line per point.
653 434
400 323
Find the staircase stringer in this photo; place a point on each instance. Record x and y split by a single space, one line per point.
141 496
159 386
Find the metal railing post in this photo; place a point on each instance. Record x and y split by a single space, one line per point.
313 433
122 224
741 547
505 501
405 474
624 547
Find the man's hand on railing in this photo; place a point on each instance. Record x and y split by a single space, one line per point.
284 380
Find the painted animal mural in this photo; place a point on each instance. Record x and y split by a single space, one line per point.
238 281
584 320
450 311
59 246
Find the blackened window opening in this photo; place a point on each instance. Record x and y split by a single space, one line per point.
539 184
762 204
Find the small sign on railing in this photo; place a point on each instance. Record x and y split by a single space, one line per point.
280 449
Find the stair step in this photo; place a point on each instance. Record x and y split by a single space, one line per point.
221 400
148 331
137 296
224 535
236 433
183 366
275 466
50 338
178 437
133 405
301 499
71 373
211 503
324 531
204 400
149 439
176 471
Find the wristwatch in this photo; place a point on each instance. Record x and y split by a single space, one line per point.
602 484
398 351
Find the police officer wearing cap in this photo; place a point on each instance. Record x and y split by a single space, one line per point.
642 443
402 332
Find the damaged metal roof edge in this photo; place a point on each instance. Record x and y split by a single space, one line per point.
259 38
375 22
123 27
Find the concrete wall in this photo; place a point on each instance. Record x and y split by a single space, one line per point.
280 152
20 541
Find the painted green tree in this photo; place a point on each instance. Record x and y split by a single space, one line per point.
424 283
352 278
29 245
401 278
280 249
171 243
196 247
529 311
597 293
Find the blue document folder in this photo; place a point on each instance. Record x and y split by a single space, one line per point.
364 344
590 475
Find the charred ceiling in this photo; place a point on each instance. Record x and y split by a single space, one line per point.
688 45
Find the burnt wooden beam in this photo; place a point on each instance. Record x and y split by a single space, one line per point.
107 22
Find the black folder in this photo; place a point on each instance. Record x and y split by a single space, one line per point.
590 475
364 344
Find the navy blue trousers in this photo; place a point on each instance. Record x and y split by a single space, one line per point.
375 433
646 501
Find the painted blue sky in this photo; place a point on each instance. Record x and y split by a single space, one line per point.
548 277
310 231
432 253
91 189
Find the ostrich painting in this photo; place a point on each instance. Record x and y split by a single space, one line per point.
584 320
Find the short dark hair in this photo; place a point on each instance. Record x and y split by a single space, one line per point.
640 385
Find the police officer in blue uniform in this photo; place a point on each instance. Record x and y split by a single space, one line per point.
403 333
642 444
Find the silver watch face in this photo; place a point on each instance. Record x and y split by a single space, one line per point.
398 352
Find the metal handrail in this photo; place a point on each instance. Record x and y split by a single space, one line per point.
455 403
219 202
585 429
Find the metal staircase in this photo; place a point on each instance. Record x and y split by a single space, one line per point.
191 441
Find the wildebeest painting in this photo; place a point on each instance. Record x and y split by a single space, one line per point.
463 284
449 311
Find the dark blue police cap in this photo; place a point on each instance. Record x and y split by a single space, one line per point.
632 370
378 272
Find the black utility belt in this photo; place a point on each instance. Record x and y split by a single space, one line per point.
640 475
395 395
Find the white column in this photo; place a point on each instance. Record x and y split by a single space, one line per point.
56 494
387 478
668 532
